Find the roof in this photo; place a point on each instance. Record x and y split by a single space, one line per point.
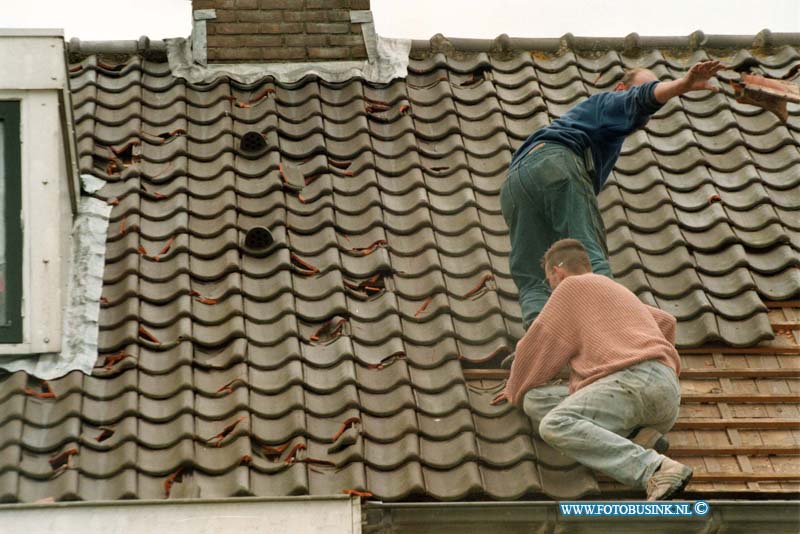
226 373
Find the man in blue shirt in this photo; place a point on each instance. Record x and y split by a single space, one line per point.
554 177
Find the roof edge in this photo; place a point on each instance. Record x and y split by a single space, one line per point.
144 44
698 39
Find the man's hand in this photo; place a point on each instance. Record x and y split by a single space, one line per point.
695 80
698 76
500 398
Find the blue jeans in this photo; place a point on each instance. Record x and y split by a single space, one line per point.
548 196
591 425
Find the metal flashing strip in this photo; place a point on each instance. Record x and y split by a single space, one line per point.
81 315
200 34
364 17
70 145
391 62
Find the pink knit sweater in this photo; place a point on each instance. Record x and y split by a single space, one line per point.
598 327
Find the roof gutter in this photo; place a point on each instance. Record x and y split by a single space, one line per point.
544 517
764 39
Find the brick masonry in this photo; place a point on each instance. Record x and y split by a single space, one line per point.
283 30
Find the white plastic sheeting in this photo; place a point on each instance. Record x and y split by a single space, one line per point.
391 63
91 184
81 327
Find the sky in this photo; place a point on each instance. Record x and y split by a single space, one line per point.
421 19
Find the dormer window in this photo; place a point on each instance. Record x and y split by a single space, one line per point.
38 192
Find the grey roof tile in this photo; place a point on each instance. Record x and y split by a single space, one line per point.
290 481
510 64
769 236
281 430
506 454
512 482
698 330
450 453
720 235
778 286
740 307
62 487
669 123
744 333
268 381
453 484
677 259
384 429
729 284
428 330
40 439
118 486
516 78
575 483
445 426
382 379
676 284
399 483
105 464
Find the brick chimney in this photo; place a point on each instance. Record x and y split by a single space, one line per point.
272 31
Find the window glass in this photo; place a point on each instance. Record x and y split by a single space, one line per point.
3 305
10 225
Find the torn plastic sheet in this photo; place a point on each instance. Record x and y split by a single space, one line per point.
391 63
92 184
80 326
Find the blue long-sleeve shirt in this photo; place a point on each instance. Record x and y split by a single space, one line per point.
601 123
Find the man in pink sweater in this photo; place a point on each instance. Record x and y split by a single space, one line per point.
624 369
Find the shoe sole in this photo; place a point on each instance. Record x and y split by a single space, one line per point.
678 489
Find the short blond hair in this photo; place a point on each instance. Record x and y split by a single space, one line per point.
630 74
567 253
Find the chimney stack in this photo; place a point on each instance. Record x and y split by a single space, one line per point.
282 31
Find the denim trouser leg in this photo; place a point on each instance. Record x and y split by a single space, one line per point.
546 197
590 424
538 402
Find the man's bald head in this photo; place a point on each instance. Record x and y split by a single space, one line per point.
634 77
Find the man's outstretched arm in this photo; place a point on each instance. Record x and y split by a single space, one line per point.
695 80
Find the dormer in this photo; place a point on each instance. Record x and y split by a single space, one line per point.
39 191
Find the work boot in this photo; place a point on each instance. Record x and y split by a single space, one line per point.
670 479
650 438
